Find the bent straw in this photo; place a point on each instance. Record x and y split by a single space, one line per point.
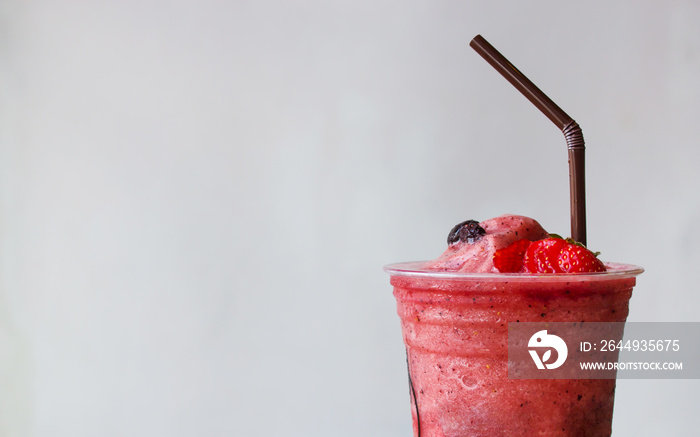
572 131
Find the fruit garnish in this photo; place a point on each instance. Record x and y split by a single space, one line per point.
468 231
510 258
575 258
543 255
556 255
550 255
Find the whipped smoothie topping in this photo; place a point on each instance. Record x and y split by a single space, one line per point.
512 244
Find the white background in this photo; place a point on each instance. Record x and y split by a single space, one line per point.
197 198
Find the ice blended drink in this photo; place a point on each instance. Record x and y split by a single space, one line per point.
455 312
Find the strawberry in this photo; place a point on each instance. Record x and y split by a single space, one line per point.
575 258
541 256
510 258
556 255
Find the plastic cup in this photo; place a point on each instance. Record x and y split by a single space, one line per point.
455 327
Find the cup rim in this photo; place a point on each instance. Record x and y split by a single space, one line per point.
414 269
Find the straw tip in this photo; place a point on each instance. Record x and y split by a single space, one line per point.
476 40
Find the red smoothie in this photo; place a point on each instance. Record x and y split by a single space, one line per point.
455 327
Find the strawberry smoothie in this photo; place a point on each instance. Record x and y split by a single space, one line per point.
454 315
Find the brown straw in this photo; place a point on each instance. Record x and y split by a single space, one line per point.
572 131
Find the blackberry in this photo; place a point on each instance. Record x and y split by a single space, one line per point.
468 231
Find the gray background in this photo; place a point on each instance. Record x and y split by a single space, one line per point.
196 198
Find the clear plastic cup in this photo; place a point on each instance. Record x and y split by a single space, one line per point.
455 328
